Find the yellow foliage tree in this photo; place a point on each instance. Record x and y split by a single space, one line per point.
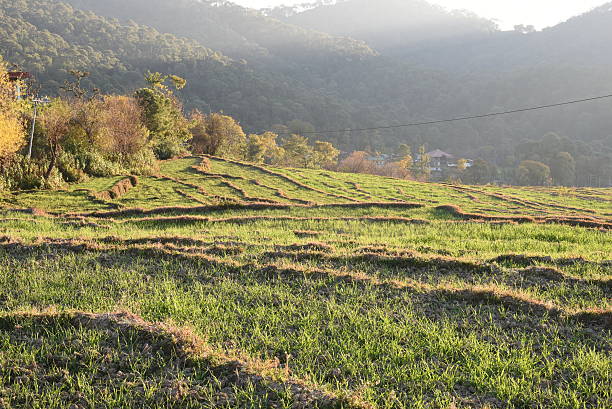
12 132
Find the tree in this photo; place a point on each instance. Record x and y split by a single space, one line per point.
218 134
87 114
421 166
157 80
263 149
56 120
563 169
12 132
124 132
298 127
357 162
325 154
404 151
169 131
480 173
298 152
76 89
533 173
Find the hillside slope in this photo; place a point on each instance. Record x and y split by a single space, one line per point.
224 284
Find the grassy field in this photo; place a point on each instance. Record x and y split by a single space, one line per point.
227 285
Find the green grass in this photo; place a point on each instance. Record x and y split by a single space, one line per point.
368 306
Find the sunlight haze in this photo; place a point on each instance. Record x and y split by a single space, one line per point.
540 13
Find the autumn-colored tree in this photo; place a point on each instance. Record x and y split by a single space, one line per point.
217 134
357 162
399 170
88 116
11 136
123 131
12 133
56 121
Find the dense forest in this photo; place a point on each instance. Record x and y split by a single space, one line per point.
281 71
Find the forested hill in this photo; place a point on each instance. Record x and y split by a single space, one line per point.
49 38
389 24
236 31
265 72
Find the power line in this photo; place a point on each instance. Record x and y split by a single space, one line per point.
464 118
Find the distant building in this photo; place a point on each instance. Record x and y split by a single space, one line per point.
440 160
380 160
442 164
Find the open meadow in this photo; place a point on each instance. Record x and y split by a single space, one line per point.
222 284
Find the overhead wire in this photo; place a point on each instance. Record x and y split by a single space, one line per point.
461 118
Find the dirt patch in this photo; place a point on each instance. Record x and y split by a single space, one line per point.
302 234
322 247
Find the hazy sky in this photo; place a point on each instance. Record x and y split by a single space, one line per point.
540 13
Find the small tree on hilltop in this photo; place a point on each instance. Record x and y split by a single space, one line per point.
263 149
325 154
217 134
298 153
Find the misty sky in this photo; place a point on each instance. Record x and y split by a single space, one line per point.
540 13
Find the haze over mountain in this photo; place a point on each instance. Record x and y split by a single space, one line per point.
265 71
387 24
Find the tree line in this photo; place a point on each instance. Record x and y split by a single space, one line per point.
86 133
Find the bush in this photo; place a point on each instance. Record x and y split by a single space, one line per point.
23 174
69 169
99 166
142 163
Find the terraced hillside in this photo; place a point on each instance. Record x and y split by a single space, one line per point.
222 284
